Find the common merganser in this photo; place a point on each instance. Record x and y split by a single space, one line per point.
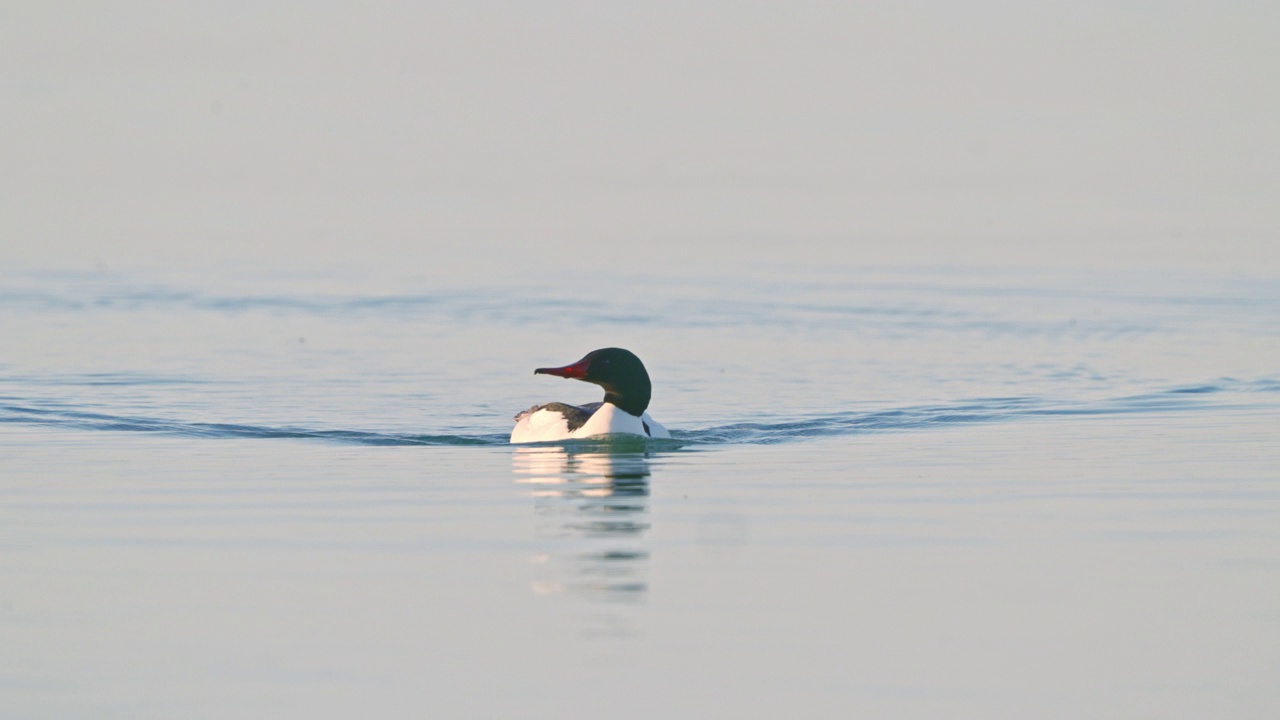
626 396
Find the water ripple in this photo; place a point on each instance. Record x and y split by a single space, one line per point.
1223 394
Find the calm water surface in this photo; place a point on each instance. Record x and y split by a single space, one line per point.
892 493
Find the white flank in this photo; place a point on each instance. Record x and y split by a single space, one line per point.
550 426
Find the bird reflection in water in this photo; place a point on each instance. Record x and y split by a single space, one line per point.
592 505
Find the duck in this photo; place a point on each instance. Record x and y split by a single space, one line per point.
624 410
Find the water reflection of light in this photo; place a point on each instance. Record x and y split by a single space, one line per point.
592 505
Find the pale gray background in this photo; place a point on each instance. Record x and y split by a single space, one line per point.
505 139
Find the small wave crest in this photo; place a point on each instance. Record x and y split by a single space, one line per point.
121 423
1222 394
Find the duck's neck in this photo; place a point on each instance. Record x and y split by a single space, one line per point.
634 402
